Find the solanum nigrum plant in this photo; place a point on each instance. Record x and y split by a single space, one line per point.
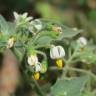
28 39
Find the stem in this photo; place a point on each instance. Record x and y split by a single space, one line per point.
43 54
38 89
83 71
40 93
68 63
89 84
41 46
77 70
72 56
35 37
55 68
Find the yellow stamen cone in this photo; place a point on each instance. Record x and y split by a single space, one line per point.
59 63
36 75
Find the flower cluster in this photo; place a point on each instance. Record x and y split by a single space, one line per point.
34 27
27 22
33 61
38 67
21 19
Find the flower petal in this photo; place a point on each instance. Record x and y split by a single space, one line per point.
16 15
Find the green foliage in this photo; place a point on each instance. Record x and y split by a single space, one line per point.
89 93
66 32
88 55
29 39
71 87
69 33
6 27
3 25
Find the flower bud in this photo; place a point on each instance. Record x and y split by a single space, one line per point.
57 52
57 29
37 67
32 60
82 41
44 67
10 42
37 24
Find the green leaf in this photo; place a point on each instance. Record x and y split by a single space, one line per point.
3 25
71 87
88 93
3 38
19 53
11 27
67 32
6 27
44 40
88 55
45 37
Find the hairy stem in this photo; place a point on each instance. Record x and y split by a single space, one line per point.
39 91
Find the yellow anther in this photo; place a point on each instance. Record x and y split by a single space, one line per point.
36 75
59 63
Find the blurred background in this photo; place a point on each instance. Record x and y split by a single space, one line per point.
74 13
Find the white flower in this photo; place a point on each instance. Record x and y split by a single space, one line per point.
82 41
29 19
57 52
38 67
25 15
32 60
10 42
16 15
37 24
22 18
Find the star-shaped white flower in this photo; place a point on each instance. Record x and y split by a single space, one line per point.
22 18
